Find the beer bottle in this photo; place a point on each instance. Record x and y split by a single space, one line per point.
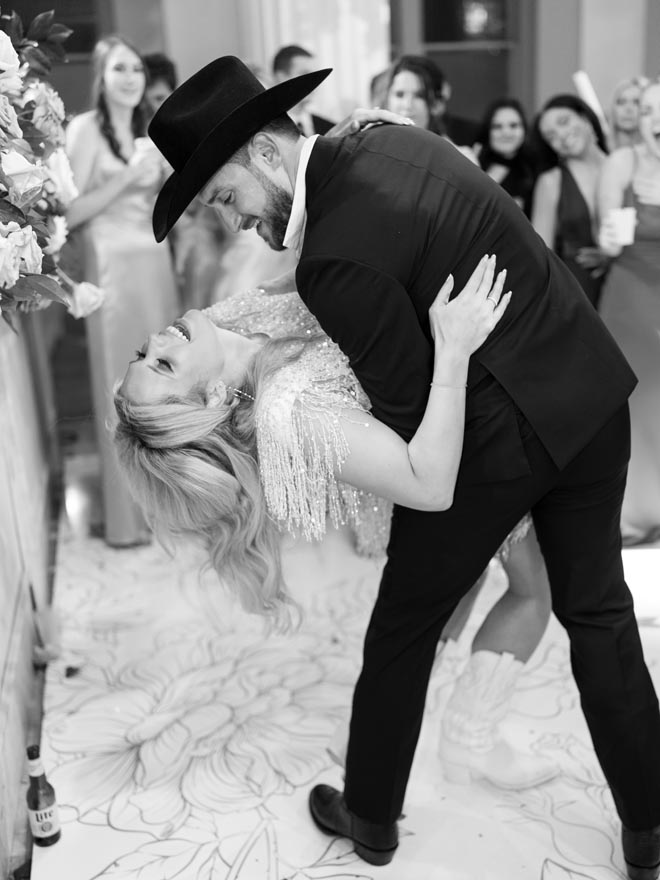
41 803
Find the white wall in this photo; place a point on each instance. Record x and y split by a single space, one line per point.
612 42
352 38
557 47
606 38
197 31
652 65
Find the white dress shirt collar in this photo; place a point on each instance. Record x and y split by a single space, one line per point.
295 230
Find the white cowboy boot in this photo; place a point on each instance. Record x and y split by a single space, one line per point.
470 744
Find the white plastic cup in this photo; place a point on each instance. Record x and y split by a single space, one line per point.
624 221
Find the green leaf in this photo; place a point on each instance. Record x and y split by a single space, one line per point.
40 25
55 51
59 33
10 212
13 26
48 265
37 61
28 285
9 317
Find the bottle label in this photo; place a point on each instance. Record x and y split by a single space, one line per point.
35 767
44 823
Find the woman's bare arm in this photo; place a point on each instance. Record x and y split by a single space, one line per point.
422 473
544 206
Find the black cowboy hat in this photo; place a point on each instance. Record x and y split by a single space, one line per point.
207 119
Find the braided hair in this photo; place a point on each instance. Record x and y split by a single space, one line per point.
139 119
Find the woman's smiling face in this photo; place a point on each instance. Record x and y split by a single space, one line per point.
507 131
180 361
566 132
124 79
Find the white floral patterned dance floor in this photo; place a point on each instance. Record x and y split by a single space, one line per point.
182 743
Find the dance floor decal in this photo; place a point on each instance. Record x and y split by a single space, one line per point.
182 743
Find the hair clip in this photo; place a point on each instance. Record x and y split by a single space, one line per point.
242 395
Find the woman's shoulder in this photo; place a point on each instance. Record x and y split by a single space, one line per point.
84 125
551 177
548 183
85 120
318 380
620 164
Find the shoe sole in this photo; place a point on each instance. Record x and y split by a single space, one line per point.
377 857
638 872
458 774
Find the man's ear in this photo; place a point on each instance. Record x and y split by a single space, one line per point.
217 393
263 149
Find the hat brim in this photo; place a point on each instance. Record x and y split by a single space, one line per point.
221 143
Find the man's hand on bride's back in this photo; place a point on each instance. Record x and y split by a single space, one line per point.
466 321
362 117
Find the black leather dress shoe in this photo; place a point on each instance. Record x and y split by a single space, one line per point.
641 850
374 843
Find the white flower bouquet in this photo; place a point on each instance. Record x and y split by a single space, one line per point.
36 182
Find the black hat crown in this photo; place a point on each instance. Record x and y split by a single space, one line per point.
203 122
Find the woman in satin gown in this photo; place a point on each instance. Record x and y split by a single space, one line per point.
571 148
118 173
630 308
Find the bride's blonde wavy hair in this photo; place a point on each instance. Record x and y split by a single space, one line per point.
194 471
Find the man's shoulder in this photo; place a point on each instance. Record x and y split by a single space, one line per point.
384 158
405 143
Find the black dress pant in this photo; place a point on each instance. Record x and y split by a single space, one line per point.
434 558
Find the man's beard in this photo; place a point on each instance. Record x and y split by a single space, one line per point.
277 211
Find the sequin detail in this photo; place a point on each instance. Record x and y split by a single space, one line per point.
298 464
276 315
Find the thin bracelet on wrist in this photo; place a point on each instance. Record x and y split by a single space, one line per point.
444 385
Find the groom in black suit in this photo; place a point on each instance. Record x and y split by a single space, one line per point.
379 220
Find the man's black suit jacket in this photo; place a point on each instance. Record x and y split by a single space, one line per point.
321 124
391 212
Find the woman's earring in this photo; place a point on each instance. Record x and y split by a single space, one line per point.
218 394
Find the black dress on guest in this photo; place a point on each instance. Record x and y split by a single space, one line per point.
520 177
574 231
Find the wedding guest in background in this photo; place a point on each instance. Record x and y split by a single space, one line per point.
290 61
118 173
504 152
570 144
630 305
161 80
624 115
419 85
417 89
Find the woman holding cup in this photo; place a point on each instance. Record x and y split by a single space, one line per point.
629 205
118 172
